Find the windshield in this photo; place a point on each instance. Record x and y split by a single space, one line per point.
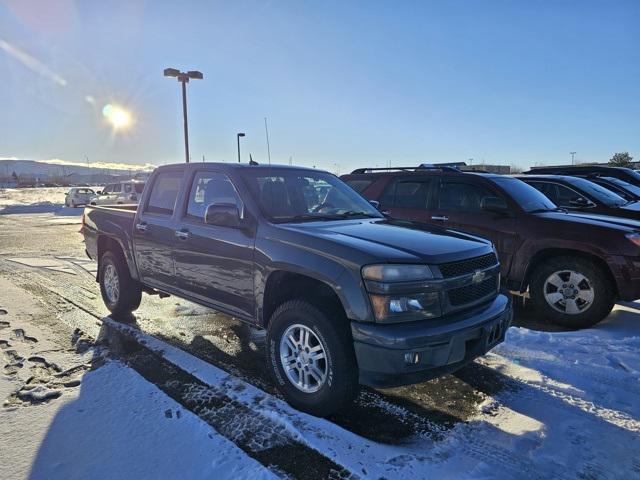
635 190
286 195
601 194
633 173
524 195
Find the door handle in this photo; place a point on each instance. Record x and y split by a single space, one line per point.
141 227
182 234
440 218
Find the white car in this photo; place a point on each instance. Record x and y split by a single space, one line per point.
78 196
120 193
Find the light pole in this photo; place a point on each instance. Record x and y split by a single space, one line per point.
572 155
238 135
183 78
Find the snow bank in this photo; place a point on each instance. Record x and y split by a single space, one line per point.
35 200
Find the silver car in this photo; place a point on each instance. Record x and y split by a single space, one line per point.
78 196
120 193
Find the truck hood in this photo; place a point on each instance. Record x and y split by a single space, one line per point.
394 240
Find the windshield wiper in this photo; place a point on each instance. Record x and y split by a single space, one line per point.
353 213
543 210
309 217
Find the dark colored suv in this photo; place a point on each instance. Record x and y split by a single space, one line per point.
573 265
626 174
582 195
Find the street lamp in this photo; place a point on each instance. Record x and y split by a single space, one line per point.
238 135
572 155
183 78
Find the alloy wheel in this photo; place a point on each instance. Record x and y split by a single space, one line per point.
569 292
111 283
303 358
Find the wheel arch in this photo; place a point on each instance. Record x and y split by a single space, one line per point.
285 285
107 243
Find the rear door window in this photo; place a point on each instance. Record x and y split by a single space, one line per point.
127 188
359 185
407 193
164 193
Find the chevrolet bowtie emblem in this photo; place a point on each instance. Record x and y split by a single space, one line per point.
477 277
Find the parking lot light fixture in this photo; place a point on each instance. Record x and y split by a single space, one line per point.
238 135
183 78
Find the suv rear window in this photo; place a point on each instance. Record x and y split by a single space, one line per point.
164 193
359 185
406 193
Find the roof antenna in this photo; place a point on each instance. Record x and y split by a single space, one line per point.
251 161
266 132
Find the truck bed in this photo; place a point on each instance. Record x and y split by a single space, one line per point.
112 221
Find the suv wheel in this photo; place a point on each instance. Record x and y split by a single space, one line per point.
572 292
311 357
121 293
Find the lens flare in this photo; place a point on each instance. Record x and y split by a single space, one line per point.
117 116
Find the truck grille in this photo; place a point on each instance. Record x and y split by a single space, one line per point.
463 267
471 293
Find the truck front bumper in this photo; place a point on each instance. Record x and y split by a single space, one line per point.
401 354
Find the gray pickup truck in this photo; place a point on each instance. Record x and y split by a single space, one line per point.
347 296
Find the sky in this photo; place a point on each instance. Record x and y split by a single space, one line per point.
342 84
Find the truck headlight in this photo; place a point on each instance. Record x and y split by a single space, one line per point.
406 307
397 292
396 272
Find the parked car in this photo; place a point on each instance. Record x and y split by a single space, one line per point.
581 195
346 295
574 266
119 193
626 174
78 196
625 189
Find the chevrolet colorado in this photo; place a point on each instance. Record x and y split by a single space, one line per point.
346 295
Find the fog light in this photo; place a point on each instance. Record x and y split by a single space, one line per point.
412 358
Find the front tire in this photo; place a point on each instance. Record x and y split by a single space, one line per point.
572 292
121 293
311 358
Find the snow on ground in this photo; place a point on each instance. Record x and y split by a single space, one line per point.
71 413
117 426
568 408
35 200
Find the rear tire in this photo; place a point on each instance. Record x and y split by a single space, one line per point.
121 293
327 381
572 292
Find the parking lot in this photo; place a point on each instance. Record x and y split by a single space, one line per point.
545 404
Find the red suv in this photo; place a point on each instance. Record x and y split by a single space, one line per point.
574 266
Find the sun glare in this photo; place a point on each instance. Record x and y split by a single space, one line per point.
117 116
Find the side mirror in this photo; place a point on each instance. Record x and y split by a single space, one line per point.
580 202
223 215
375 203
494 204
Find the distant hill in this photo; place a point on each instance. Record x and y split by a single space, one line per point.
62 172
